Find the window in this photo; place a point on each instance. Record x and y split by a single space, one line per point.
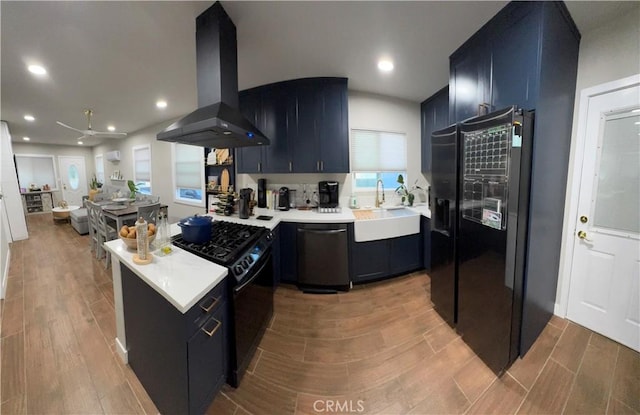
377 155
37 170
100 168
188 174
142 168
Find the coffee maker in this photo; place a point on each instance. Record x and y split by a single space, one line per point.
329 194
244 203
283 198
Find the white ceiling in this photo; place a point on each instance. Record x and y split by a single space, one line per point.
118 58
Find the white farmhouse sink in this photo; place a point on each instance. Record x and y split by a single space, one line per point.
375 224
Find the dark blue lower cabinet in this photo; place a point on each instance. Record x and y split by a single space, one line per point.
425 229
374 260
406 254
370 260
288 252
180 359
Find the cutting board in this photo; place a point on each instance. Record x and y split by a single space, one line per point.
222 155
224 180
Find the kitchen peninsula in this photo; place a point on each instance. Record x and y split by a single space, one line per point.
178 314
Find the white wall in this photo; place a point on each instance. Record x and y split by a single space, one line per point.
9 187
58 150
607 53
161 171
366 111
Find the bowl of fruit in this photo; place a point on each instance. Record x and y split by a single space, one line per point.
129 236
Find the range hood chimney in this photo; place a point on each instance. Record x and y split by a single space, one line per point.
217 122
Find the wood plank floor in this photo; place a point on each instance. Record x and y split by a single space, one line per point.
379 349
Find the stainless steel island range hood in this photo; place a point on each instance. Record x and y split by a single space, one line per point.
217 123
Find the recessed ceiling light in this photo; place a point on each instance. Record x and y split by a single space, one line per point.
385 65
161 104
636 110
37 69
80 143
637 122
26 138
111 128
29 117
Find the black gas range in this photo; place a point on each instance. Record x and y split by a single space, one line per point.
246 251
234 245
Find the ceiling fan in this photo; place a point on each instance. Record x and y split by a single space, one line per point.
89 132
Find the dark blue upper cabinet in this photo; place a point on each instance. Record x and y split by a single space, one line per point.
434 115
499 66
276 156
307 123
306 136
249 159
515 57
470 81
334 127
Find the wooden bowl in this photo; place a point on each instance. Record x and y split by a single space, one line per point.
133 243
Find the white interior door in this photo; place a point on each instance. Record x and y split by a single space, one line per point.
74 179
605 272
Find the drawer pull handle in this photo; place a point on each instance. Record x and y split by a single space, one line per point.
208 308
212 332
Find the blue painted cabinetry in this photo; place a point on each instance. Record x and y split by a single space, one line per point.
374 260
434 115
500 65
527 55
306 121
288 252
180 359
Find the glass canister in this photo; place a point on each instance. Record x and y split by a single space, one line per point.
142 236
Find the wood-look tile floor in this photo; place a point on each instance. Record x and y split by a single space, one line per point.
379 349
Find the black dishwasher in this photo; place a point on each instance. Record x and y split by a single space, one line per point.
323 257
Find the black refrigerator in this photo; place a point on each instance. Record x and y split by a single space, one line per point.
489 228
444 221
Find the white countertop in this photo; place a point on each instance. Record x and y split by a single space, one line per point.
180 277
303 216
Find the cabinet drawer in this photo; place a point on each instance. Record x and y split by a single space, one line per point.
210 303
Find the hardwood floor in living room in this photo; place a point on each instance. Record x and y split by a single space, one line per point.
381 348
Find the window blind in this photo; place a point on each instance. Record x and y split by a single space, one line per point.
378 151
188 166
100 168
142 164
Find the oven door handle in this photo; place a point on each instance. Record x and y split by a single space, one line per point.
236 290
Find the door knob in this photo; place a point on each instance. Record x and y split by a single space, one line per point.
583 235
583 219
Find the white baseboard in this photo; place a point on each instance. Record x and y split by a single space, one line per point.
5 275
122 351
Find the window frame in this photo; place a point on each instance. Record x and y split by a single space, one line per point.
134 178
174 188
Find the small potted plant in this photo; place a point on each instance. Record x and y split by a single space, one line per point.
133 188
407 195
95 185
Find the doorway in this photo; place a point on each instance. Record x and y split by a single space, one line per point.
604 262
74 179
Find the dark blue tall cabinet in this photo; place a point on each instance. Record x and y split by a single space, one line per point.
434 116
527 55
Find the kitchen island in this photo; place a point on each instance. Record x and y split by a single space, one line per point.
180 277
